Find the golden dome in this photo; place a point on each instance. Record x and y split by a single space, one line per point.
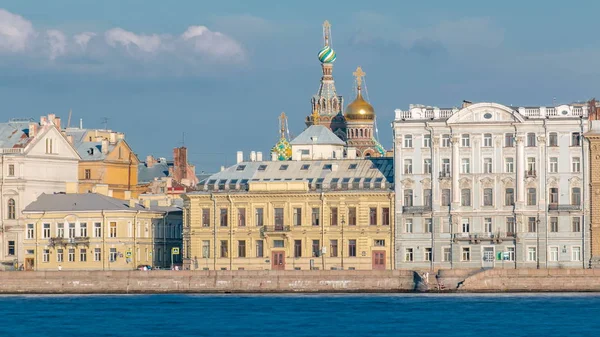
359 109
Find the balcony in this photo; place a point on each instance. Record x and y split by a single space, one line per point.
563 208
445 174
274 229
63 242
416 209
530 174
496 237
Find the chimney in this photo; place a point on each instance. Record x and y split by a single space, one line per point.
81 123
466 103
222 168
120 136
70 139
146 203
57 122
104 148
98 138
113 138
43 120
132 203
32 129
259 156
149 161
252 156
51 118
180 163
273 156
127 195
240 157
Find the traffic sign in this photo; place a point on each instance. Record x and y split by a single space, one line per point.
175 250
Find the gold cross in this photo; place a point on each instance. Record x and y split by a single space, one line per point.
282 119
359 73
326 27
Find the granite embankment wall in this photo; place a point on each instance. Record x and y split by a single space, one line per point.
74 282
530 280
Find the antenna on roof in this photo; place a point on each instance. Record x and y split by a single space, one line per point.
183 139
105 122
69 120
553 101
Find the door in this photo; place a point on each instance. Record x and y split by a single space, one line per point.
29 265
379 260
278 260
488 257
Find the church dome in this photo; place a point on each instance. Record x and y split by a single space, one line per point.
327 55
359 109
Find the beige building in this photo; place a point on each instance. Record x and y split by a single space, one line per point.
96 232
286 215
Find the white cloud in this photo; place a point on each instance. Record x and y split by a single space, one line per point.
212 44
146 43
57 42
15 32
83 39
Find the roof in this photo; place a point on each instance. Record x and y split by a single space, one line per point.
343 174
159 169
317 134
78 202
87 150
14 134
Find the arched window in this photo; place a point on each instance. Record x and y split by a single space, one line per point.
361 133
12 212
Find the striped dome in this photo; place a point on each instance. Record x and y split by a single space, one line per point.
327 55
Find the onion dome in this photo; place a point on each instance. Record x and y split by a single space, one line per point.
327 55
282 149
359 109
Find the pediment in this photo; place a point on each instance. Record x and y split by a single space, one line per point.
486 113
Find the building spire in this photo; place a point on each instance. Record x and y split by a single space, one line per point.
282 122
326 33
359 73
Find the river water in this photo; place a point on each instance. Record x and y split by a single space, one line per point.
302 315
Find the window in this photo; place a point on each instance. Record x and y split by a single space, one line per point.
224 248
71 255
553 165
576 196
511 227
553 139
11 170
46 232
97 229
428 254
373 216
408 166
487 140
112 255
531 139
408 141
445 140
333 248
316 216
511 253
487 225
97 254
509 165
576 224
60 230
259 248
427 197
576 165
297 248
83 230
487 165
379 243
113 229
447 254
408 197
531 224
427 166
279 218
205 249
60 255
466 254
241 217
240 167
333 216
530 166
48 145
352 248
428 225
46 255
465 197
206 217
352 216
408 225
446 197
88 174
465 166
509 197
465 140
262 167
71 230
408 255
297 216
283 167
327 167
531 254
509 140
531 196
465 225
242 248
445 167
12 211
553 254
554 224
488 197
223 217
427 141
576 253
278 244
259 216
316 248
304 167
575 139
30 231
554 195
11 248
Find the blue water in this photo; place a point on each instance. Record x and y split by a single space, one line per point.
301 315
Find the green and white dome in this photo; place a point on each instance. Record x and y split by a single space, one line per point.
327 55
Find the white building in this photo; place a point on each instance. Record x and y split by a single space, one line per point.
491 186
35 158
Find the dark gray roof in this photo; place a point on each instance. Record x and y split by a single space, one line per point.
87 150
79 202
160 169
317 134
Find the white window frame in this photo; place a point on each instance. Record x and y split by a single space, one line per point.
487 140
408 141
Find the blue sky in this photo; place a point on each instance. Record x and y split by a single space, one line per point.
222 71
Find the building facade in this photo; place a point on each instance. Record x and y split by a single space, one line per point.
95 232
35 158
491 186
172 177
303 215
593 137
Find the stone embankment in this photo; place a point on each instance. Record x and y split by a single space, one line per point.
82 282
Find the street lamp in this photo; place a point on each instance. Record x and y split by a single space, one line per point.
342 243
537 230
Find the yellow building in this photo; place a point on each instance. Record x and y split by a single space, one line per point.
286 215
106 159
95 232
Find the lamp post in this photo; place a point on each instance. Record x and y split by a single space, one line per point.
342 243
537 230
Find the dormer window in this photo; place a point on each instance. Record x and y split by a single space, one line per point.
305 167
262 167
327 167
352 167
240 167
283 167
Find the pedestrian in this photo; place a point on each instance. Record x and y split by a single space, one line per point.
59 267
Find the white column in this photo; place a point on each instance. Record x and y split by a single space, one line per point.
455 169
435 169
520 169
